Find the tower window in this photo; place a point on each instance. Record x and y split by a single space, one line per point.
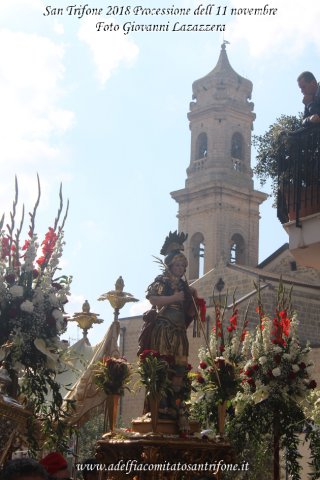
237 249
201 146
237 150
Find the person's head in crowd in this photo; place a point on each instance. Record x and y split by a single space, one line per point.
90 469
307 83
23 469
56 466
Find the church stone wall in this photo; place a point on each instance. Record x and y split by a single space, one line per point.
132 402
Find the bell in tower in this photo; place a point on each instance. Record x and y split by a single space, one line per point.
219 207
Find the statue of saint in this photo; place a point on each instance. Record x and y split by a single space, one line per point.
165 327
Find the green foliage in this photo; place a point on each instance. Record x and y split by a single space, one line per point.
204 409
88 435
153 371
43 394
313 436
269 146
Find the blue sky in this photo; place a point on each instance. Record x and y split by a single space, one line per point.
105 114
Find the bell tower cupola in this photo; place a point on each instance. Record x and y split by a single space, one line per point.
219 207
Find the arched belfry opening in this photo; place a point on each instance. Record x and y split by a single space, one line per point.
237 146
196 256
237 249
237 151
201 146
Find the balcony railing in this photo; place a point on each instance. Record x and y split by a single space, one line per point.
299 176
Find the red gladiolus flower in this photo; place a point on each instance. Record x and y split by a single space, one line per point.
302 365
260 312
41 260
201 305
5 247
48 245
234 319
26 245
203 365
243 335
249 372
292 376
189 367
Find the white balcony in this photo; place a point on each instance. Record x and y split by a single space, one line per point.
304 240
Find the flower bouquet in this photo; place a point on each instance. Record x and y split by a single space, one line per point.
219 362
112 375
275 382
153 370
32 299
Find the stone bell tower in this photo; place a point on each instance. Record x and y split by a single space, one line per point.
219 207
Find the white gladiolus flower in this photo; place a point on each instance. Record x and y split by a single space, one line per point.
16 291
235 345
255 350
27 306
248 365
276 372
202 354
213 344
295 368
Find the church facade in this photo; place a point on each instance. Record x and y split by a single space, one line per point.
219 209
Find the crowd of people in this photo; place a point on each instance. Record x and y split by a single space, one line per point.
53 466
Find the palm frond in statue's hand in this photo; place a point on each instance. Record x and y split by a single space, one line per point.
160 262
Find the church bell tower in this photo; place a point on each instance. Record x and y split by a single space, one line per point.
219 208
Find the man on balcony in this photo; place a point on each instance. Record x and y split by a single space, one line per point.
311 98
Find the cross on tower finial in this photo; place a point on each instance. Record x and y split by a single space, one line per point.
224 43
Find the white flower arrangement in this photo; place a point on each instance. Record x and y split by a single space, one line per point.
32 299
278 364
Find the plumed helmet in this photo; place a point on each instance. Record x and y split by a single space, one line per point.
173 246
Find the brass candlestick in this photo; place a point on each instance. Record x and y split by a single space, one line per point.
118 298
86 319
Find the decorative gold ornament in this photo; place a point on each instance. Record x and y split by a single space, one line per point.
118 298
86 319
